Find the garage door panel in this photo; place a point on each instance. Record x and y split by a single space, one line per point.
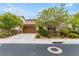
29 29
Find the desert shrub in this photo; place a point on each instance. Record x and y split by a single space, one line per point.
76 32
3 34
49 36
40 27
42 32
14 32
37 36
73 35
64 32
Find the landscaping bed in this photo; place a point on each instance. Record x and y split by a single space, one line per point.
42 33
56 22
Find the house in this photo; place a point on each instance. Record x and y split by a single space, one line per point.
29 26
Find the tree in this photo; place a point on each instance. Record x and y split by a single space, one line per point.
75 22
9 22
61 17
55 17
45 17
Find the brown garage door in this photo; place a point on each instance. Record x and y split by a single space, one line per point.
29 29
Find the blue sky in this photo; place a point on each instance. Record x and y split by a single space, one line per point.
30 10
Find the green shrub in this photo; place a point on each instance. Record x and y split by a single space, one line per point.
77 32
40 27
14 32
64 32
3 34
43 32
49 36
37 36
73 35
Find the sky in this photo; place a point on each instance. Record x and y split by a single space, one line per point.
31 10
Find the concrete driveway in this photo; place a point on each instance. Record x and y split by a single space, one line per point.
20 38
29 38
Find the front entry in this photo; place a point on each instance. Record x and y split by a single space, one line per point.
29 29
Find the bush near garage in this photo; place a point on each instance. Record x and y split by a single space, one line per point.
43 32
